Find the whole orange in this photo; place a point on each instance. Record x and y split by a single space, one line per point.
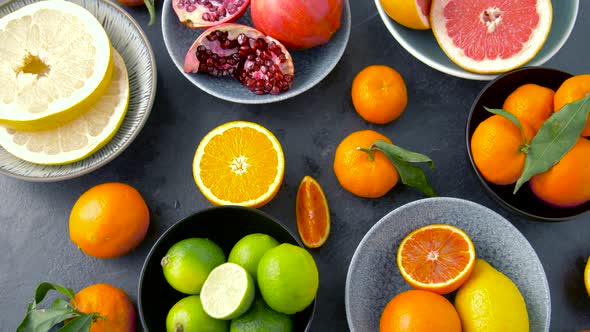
419 311
497 147
531 103
567 183
379 94
574 88
355 170
111 303
109 220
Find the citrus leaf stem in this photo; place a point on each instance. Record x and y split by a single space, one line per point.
152 10
513 119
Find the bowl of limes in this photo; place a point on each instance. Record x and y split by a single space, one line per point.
228 268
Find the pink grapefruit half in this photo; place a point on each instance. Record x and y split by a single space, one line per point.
413 14
491 36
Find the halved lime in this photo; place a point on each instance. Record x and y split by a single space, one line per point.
187 315
228 292
250 249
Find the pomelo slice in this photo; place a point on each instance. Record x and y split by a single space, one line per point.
491 36
55 62
79 138
413 14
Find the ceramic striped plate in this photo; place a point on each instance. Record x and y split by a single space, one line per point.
128 38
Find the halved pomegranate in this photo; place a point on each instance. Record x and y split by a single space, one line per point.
259 62
198 14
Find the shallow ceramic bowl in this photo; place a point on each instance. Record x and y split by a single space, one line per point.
225 226
374 279
493 95
311 65
424 47
128 38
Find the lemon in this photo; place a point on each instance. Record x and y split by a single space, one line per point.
55 62
79 138
490 301
228 292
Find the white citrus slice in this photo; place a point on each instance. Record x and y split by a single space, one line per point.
228 292
413 14
55 62
81 137
491 36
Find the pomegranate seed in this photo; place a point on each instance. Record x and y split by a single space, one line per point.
288 78
242 39
191 8
201 48
180 4
244 50
263 69
259 92
275 90
207 17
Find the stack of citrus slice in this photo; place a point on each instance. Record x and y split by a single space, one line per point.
65 90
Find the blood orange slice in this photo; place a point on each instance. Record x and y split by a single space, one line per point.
491 36
313 214
409 13
437 258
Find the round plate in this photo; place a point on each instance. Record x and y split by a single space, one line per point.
424 47
311 65
374 279
128 38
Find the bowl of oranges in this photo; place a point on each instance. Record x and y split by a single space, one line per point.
526 140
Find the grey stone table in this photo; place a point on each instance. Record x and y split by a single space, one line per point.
34 241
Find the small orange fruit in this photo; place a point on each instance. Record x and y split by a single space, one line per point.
574 88
111 303
531 103
419 311
313 214
498 149
109 220
379 94
357 172
436 258
567 183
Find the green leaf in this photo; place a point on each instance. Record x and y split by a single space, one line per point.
152 10
41 320
510 117
79 324
45 287
402 159
554 139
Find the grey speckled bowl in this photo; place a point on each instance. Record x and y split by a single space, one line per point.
374 279
311 65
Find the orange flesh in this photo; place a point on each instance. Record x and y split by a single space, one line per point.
313 215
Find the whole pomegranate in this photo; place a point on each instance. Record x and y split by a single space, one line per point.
298 24
198 14
259 62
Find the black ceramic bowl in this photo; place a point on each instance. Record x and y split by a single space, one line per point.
492 96
225 226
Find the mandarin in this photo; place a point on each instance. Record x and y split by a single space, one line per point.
567 183
530 103
574 88
357 172
379 94
497 147
111 303
109 220
419 311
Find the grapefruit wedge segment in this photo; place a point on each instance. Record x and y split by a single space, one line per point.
436 258
313 214
491 36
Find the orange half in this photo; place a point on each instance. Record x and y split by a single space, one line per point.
313 214
436 258
239 163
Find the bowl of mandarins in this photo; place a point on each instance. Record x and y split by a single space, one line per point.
526 138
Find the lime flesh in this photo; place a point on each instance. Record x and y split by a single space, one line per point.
228 292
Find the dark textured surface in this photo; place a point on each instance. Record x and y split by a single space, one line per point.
34 217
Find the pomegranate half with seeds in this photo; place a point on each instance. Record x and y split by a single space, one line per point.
259 62
198 14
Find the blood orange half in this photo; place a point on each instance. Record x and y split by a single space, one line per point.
436 258
491 36
313 213
409 13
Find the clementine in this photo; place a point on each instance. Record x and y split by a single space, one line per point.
360 174
419 311
531 103
574 88
115 307
498 149
109 220
567 183
379 94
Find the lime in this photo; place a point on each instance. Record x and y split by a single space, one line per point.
288 278
261 318
187 315
188 263
228 292
250 249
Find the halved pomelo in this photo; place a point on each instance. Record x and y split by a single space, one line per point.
437 258
491 36
412 14
79 138
55 63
